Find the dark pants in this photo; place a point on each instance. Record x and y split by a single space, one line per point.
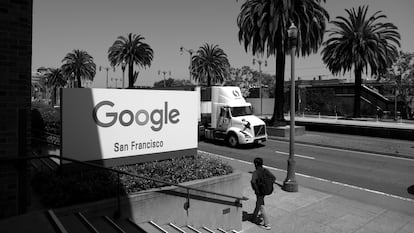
260 207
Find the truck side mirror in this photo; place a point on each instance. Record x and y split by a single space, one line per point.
246 123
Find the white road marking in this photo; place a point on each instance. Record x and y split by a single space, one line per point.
297 155
355 151
313 177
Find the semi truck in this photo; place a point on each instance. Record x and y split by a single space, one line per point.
225 115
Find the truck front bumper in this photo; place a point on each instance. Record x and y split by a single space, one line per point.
260 140
246 140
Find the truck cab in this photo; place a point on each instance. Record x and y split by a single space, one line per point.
227 116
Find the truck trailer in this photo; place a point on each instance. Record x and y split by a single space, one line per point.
225 115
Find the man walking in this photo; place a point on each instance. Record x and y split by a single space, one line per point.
257 183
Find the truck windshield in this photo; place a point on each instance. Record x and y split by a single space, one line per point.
241 111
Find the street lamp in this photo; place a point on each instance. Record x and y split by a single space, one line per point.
260 81
107 69
116 82
190 52
290 184
123 65
164 73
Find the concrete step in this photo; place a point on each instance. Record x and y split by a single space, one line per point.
129 226
151 227
171 228
106 224
103 224
205 229
72 223
190 229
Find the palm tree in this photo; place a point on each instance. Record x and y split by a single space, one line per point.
55 79
361 42
130 50
263 28
79 64
210 64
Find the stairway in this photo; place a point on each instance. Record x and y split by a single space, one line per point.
79 223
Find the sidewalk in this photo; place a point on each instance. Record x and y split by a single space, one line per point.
386 146
329 207
362 122
310 211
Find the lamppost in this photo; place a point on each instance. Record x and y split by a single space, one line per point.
290 184
260 81
164 73
107 69
123 65
116 82
190 52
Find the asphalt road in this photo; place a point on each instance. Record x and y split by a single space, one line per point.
374 171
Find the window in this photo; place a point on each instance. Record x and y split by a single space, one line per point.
241 111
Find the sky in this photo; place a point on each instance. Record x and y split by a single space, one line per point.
60 26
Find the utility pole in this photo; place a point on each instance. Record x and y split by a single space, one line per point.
190 52
164 73
290 184
107 69
260 81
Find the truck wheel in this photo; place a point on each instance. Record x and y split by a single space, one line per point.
232 140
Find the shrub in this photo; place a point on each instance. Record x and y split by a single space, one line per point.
47 122
177 170
61 189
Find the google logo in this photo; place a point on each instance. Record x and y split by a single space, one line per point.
126 117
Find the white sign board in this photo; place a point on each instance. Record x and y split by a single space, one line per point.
112 123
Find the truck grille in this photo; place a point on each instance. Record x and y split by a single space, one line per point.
259 130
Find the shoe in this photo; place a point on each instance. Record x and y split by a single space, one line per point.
256 221
267 227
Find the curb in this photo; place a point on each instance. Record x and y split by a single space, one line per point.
343 148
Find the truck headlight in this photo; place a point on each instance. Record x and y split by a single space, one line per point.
246 135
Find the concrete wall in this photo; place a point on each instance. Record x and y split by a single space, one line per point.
15 92
165 208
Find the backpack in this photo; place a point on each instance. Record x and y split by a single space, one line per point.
265 183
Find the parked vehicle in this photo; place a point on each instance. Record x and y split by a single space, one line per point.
225 115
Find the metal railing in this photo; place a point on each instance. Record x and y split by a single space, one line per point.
117 213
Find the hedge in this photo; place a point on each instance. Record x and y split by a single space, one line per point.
57 189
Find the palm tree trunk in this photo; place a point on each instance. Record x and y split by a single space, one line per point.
357 96
54 96
130 74
78 79
278 117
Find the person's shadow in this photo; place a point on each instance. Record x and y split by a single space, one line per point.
246 216
249 217
410 190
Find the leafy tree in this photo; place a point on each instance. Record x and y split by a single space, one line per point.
361 42
55 79
246 78
263 28
131 50
170 82
240 77
79 64
40 86
210 65
402 74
